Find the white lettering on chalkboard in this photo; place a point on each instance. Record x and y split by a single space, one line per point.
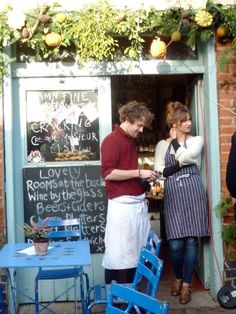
61 122
66 193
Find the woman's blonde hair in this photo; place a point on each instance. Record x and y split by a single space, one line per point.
177 112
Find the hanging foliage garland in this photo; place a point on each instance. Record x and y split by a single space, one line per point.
95 31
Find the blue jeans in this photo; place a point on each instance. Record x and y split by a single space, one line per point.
183 256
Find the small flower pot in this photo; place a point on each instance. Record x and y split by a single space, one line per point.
41 247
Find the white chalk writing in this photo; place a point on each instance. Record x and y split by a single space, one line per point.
68 192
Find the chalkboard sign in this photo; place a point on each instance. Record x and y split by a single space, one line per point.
62 125
66 193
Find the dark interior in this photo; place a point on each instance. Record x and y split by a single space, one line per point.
156 91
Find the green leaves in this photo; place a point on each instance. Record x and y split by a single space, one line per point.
91 30
101 32
229 233
224 205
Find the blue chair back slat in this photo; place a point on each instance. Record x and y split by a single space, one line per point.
67 235
151 272
136 298
63 223
65 229
153 242
149 267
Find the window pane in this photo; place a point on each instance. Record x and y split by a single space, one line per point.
62 125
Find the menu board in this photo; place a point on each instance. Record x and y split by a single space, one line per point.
62 125
67 193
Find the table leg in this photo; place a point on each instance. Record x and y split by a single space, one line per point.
13 291
12 299
83 306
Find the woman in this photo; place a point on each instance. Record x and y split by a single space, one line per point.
185 202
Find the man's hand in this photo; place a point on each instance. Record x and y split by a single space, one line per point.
149 175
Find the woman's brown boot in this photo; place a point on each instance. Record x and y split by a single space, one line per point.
176 287
185 295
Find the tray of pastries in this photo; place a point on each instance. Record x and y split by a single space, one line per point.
79 155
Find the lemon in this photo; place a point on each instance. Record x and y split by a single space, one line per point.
60 17
53 39
221 31
176 36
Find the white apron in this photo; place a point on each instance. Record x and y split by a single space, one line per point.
126 232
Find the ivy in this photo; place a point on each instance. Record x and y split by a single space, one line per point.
91 30
224 205
229 233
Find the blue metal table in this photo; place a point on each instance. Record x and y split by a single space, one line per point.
60 254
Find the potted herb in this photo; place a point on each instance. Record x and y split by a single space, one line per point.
38 233
224 205
228 233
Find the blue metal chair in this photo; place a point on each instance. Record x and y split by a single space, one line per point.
153 242
141 302
66 230
3 308
100 292
147 277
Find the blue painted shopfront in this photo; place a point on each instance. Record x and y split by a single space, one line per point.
25 91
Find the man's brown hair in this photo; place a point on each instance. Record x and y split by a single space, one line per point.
135 110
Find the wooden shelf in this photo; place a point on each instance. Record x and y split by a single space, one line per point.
155 197
146 154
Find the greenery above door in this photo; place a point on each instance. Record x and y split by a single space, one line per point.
101 32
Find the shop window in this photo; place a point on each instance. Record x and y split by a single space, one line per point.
62 125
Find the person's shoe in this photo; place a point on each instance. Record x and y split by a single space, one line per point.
185 295
176 287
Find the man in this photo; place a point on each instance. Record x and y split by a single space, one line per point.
127 218
231 172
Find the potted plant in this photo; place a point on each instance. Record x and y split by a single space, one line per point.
38 233
228 233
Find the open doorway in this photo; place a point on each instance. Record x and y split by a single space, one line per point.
156 91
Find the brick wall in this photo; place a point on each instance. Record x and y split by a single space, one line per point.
226 79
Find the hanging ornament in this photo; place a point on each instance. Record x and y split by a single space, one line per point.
60 17
176 36
44 18
221 31
203 18
158 48
25 33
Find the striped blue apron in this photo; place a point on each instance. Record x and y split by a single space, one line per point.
185 202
